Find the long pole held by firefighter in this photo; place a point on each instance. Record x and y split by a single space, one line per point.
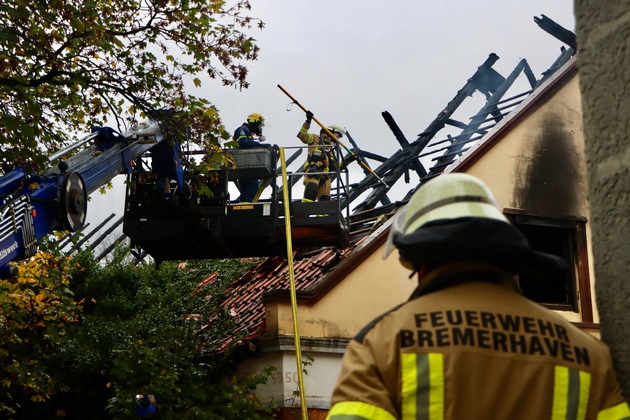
331 135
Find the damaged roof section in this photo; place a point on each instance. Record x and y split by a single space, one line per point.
244 300
436 146
442 143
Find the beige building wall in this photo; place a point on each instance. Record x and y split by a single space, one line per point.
538 166
373 288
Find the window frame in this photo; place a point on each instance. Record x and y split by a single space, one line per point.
579 264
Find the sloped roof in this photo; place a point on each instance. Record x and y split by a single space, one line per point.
317 273
245 296
314 276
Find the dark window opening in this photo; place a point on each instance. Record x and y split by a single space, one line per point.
558 241
566 238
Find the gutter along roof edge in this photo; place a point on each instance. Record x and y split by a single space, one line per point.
364 249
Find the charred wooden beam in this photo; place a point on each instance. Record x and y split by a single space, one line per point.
92 233
373 156
456 123
557 31
71 235
106 233
395 129
110 247
392 170
361 155
490 107
415 164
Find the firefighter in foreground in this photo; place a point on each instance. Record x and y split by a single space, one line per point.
320 159
467 344
246 136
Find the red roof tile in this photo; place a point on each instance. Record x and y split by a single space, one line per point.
245 296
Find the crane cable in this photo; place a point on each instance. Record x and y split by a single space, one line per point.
296 335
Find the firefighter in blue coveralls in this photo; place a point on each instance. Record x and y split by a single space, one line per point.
245 137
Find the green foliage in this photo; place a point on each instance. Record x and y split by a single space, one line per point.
35 309
307 360
146 331
66 66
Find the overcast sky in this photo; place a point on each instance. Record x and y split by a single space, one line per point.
349 60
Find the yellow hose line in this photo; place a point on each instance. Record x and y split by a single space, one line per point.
296 335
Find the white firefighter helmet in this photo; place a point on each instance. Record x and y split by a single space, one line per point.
446 197
455 217
336 130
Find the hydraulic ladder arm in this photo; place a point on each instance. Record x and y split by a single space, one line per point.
34 205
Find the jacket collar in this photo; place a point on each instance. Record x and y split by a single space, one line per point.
451 274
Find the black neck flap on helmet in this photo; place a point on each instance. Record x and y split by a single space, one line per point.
476 238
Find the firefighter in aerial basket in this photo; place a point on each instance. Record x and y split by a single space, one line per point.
468 344
249 135
320 162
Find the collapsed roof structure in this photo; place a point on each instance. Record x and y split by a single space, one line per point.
317 270
439 145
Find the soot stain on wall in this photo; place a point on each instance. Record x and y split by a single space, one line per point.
550 180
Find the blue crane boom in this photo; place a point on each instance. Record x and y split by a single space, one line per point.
34 205
164 204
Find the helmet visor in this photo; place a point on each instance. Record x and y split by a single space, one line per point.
397 228
336 130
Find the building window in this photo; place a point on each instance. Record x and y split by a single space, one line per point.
566 238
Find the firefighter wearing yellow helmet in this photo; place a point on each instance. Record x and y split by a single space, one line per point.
321 159
467 344
250 134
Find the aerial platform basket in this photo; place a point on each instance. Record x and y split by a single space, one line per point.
245 230
254 163
199 227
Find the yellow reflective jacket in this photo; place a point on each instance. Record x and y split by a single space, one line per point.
325 160
468 345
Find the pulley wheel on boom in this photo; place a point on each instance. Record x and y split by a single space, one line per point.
74 200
